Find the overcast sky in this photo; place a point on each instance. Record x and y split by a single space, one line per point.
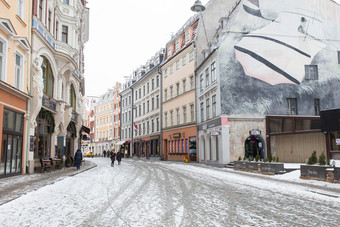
125 34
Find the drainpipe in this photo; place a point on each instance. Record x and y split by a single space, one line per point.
132 127
160 112
28 103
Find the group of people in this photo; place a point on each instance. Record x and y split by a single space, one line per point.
114 156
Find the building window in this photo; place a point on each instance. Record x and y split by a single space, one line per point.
213 105
2 60
177 89
311 72
157 101
191 82
192 112
21 9
157 81
213 72
191 56
136 96
184 85
187 36
172 117
166 119
201 82
64 34
291 106
207 78
144 91
177 116
73 99
338 57
165 72
177 44
157 124
166 94
47 77
148 106
153 125
152 84
184 60
140 93
207 103
153 103
143 108
148 126
18 71
171 92
317 107
202 112
177 65
49 20
171 69
140 110
40 9
66 2
184 114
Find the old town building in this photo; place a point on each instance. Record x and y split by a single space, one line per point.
59 31
275 69
107 121
178 97
15 85
147 106
89 124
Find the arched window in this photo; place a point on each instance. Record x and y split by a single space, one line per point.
47 77
73 98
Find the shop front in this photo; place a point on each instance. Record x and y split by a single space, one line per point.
180 143
330 126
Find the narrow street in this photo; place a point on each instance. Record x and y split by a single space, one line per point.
154 193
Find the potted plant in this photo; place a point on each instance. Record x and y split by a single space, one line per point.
239 164
314 169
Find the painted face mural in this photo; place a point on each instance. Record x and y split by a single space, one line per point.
278 52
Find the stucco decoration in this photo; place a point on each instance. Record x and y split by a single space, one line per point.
37 91
60 118
279 49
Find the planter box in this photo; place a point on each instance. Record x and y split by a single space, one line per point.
239 165
337 173
318 172
252 166
272 167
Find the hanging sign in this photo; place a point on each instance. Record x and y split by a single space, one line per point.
337 141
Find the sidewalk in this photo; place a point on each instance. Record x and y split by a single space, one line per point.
14 187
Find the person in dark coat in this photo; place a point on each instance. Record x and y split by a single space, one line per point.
113 157
104 153
119 157
78 157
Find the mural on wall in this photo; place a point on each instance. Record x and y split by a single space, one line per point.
282 49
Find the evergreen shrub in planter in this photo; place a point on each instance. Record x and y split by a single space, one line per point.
313 170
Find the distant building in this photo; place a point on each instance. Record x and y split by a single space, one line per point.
89 122
147 107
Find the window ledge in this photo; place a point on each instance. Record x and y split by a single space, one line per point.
20 20
5 3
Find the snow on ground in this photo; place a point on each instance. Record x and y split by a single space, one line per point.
155 193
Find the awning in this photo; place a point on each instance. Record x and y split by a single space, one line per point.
120 142
85 129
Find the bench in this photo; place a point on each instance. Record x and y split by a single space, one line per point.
46 165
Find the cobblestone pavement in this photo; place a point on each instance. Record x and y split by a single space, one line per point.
154 193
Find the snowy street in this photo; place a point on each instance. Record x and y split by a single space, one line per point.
155 193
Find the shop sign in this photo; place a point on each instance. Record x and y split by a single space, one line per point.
337 141
48 103
176 135
255 132
214 133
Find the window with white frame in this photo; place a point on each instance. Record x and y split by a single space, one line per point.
187 36
201 82
213 100
171 69
169 51
64 34
207 103
157 120
184 85
165 72
213 72
177 65
177 44
207 82
21 9
202 112
157 101
66 2
184 60
166 119
191 82
177 116
172 117
291 106
49 23
165 94
18 71
2 60
184 114
177 89
157 81
191 56
171 91
41 9
192 112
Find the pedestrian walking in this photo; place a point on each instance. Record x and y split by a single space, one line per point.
78 157
119 157
104 153
113 157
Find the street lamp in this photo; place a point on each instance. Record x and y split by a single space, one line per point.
197 7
